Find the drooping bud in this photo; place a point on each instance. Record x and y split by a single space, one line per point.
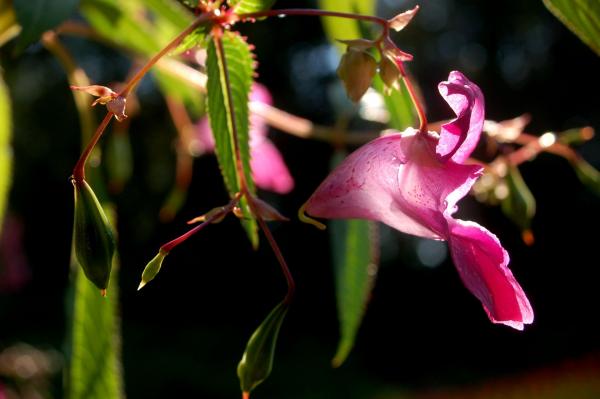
117 107
216 215
257 361
266 212
357 68
104 94
152 268
389 74
519 203
93 239
587 174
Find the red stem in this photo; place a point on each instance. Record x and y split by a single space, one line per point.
79 169
414 98
225 210
172 44
284 267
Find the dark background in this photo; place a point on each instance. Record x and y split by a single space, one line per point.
184 334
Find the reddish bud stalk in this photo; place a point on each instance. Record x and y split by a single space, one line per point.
79 169
415 99
225 210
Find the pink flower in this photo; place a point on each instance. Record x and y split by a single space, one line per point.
412 181
268 167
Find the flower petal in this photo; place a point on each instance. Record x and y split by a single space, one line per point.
482 265
459 137
380 182
268 167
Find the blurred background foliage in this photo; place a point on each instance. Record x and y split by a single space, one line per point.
423 336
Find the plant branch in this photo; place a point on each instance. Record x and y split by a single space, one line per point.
79 169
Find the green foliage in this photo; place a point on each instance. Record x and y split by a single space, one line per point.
519 204
94 367
230 74
38 16
341 28
93 239
355 259
398 104
582 17
5 148
118 159
588 175
257 361
249 6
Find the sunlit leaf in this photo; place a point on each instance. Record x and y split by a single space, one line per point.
228 112
94 350
5 148
38 16
582 17
519 204
355 258
249 6
342 28
257 361
398 104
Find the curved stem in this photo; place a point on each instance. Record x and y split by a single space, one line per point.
284 267
214 216
415 99
79 169
172 44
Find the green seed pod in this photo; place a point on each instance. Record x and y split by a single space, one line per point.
257 361
92 236
519 204
152 268
587 174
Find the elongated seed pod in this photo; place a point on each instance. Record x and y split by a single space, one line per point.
93 239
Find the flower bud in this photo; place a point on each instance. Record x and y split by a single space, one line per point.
152 268
267 212
356 70
93 239
519 204
257 361
389 74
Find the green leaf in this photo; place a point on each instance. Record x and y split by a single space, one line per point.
257 361
398 104
582 17
94 366
588 175
250 6
519 204
356 259
227 106
343 28
38 16
5 148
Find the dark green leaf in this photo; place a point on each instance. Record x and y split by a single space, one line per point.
94 366
588 175
356 260
249 6
519 204
5 148
93 240
582 17
38 16
257 361
228 113
118 159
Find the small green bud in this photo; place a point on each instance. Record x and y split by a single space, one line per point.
257 361
519 203
93 239
152 268
587 174
356 69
